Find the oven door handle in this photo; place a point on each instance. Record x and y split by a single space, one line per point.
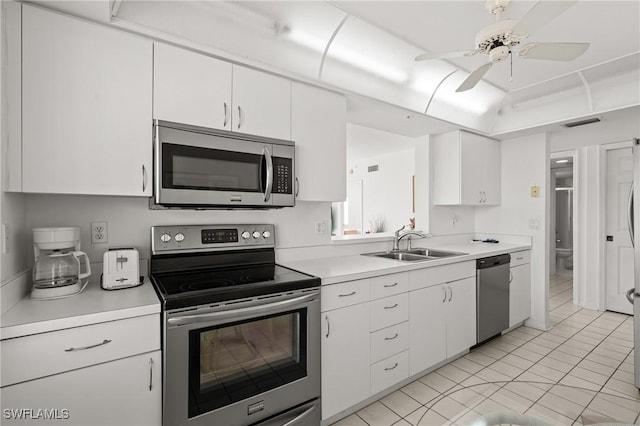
233 313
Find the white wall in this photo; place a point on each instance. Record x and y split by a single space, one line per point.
387 191
129 220
524 163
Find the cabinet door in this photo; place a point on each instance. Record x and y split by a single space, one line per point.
345 358
191 88
480 168
261 103
520 294
473 163
123 392
318 127
86 107
461 315
427 322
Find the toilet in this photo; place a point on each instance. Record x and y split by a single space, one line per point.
566 254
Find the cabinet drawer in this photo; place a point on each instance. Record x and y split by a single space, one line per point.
40 355
344 294
389 341
388 285
388 372
520 258
389 311
428 277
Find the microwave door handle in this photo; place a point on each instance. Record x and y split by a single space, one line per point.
269 183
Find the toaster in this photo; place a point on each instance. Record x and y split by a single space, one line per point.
120 268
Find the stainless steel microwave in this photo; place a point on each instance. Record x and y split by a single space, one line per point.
197 167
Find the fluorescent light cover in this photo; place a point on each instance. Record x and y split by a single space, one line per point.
348 56
562 161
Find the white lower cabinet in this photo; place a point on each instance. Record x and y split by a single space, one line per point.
345 358
379 331
123 392
520 288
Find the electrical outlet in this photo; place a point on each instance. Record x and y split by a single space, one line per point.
321 227
99 233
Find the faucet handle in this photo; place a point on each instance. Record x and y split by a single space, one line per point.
401 229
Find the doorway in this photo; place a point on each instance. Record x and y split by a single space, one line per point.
562 232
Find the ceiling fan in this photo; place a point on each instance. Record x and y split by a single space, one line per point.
498 39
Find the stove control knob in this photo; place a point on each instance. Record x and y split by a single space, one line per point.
266 234
179 237
245 235
165 238
256 234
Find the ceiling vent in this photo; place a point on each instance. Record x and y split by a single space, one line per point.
582 122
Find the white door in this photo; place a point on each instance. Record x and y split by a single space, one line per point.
619 251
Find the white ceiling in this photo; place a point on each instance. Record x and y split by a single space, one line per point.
611 27
380 39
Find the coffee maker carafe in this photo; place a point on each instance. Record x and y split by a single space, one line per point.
60 268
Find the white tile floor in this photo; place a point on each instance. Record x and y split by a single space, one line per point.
579 372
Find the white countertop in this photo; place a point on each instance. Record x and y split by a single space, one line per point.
345 268
93 305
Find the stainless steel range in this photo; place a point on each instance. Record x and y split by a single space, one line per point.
241 335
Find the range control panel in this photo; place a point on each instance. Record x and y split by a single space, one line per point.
210 237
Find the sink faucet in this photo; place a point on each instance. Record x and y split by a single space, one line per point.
398 236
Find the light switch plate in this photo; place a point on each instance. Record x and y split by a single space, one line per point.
535 191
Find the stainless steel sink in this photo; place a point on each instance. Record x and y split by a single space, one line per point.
414 255
403 256
434 253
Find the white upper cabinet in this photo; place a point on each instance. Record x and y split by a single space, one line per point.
261 103
197 89
318 127
191 88
86 112
466 169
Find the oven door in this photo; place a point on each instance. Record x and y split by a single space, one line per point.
207 168
243 362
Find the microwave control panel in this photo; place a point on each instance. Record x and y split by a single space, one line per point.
283 176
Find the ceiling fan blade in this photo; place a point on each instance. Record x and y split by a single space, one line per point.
540 14
553 51
474 78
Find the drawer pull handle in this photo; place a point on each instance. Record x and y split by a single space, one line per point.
347 295
391 285
391 368
391 338
519 258
104 342
391 307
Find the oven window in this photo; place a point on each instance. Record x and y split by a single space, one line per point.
188 167
232 362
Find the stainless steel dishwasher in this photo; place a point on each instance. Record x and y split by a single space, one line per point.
492 290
